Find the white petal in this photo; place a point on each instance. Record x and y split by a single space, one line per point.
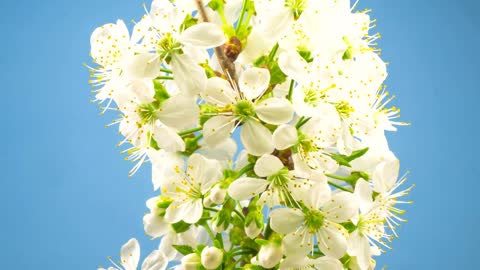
223 151
359 247
256 138
189 76
175 212
341 207
284 137
168 139
203 171
246 187
275 111
154 225
274 25
130 254
363 191
286 220
217 129
268 165
298 245
142 66
332 239
385 175
155 261
292 64
219 92
203 35
326 263
180 112
194 211
254 81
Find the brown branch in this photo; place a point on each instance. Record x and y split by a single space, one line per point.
226 64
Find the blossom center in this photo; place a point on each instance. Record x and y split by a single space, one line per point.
297 7
244 109
147 113
279 179
167 46
314 220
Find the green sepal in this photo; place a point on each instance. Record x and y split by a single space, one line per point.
184 249
188 22
161 93
306 55
262 242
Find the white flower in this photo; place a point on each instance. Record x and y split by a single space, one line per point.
241 106
172 234
130 256
148 122
281 186
186 188
319 220
180 47
212 257
324 263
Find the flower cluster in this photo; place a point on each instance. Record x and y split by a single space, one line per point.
309 183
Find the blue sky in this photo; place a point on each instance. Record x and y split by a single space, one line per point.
66 200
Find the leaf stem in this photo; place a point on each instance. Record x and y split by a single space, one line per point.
339 187
189 131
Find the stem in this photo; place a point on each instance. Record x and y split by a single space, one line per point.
244 170
272 55
164 78
240 215
190 131
302 122
242 15
225 63
290 90
166 70
209 231
339 187
211 209
341 178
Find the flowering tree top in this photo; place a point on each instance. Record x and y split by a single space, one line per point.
309 184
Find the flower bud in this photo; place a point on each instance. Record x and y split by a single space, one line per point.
269 255
252 230
191 261
217 196
212 257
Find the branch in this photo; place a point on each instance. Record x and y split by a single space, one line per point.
225 63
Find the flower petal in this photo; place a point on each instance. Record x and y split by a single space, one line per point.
130 254
298 245
217 129
292 64
341 207
286 220
203 171
326 263
180 112
284 137
168 139
189 76
332 239
246 187
256 138
203 35
142 66
275 111
254 81
194 211
155 261
219 92
267 165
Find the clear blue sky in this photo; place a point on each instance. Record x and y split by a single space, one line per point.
66 201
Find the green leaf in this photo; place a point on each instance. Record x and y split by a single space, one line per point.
184 249
345 160
180 227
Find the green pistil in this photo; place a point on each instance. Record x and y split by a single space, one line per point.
244 109
147 113
307 144
279 179
167 46
314 220
312 97
344 109
297 6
